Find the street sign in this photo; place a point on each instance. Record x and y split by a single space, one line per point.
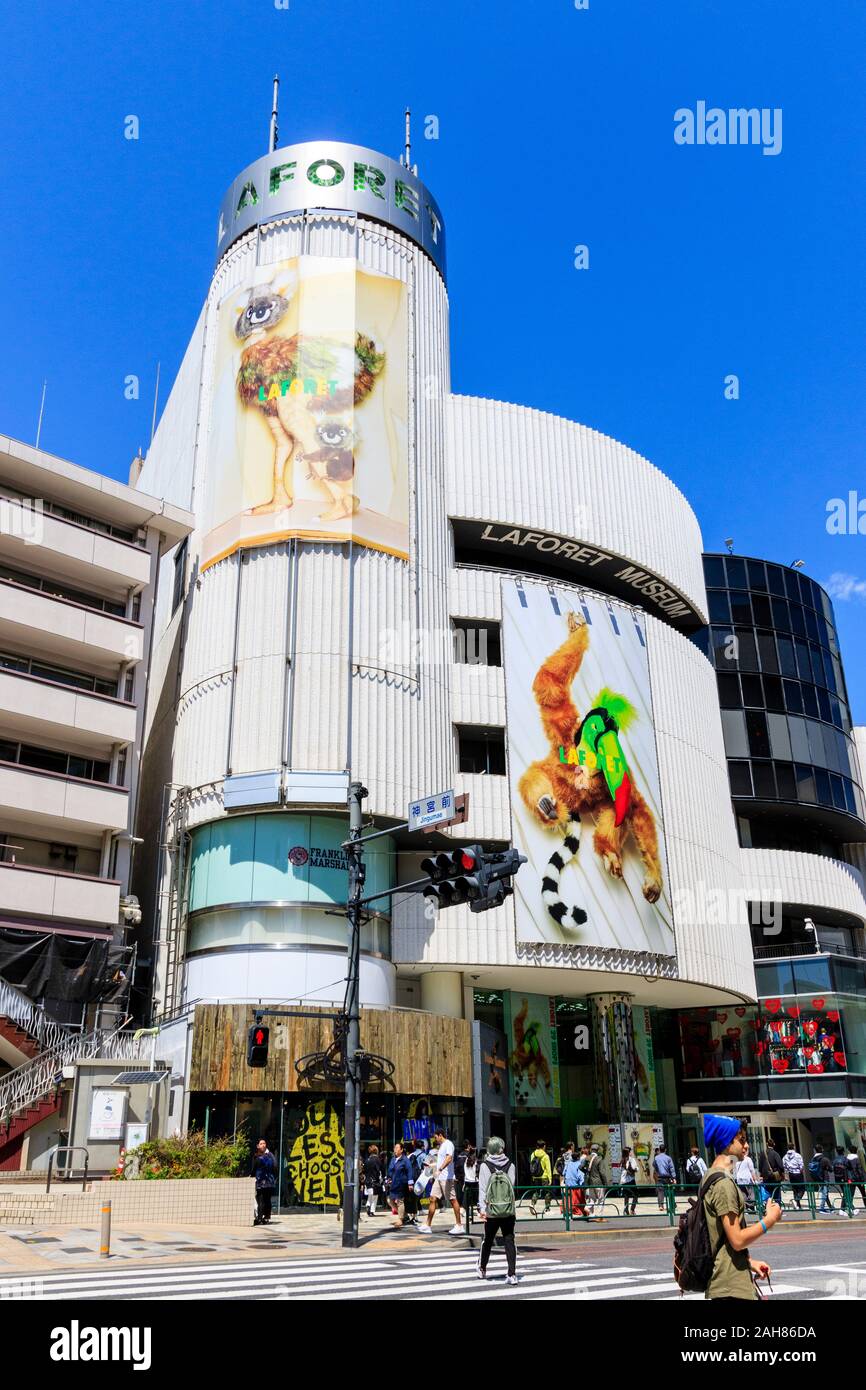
431 810
461 814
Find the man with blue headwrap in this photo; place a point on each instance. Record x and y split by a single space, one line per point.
734 1272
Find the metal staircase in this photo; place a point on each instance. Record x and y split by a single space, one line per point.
29 1018
27 1087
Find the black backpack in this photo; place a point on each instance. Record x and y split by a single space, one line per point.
840 1169
693 1254
535 1169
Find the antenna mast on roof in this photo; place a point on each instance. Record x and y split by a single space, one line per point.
274 134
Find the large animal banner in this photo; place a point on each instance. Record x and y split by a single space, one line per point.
586 806
309 417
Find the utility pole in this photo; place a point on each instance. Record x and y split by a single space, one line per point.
357 874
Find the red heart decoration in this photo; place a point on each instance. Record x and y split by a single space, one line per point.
840 1058
808 1051
739 1012
818 1003
721 1018
810 1027
760 1049
780 1064
815 1067
733 1032
828 1040
793 1011
833 1015
772 1005
788 1040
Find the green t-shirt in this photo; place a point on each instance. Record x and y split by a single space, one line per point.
732 1275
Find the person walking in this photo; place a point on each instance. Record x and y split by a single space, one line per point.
856 1176
265 1174
540 1175
594 1182
772 1171
665 1174
841 1175
628 1180
565 1154
820 1171
795 1172
372 1178
443 1185
573 1183
695 1167
746 1177
734 1272
460 1173
470 1178
417 1157
496 1206
399 1181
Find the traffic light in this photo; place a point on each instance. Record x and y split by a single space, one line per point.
257 1045
455 875
471 875
498 869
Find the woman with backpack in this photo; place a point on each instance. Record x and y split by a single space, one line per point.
496 1205
713 1241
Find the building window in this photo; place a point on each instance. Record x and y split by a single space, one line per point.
476 643
481 750
179 574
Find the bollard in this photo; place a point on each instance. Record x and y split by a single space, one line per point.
105 1231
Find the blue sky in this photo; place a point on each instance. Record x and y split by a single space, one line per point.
555 129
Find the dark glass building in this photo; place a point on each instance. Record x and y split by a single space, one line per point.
792 763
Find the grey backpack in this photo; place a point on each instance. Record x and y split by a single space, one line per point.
499 1198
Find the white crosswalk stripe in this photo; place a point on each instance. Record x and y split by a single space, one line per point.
449 1273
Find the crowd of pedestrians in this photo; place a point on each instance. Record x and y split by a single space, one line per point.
576 1181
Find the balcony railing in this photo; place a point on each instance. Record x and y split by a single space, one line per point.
80 519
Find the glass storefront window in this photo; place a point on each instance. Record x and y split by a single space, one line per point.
787 1035
811 973
800 1034
775 977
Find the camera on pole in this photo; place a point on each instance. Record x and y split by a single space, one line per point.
258 1038
471 875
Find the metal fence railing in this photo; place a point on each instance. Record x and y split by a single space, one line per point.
576 1207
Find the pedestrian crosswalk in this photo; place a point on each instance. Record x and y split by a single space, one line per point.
446 1273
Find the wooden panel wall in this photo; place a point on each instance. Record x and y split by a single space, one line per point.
432 1054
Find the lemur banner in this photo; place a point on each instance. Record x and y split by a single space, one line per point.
586 805
309 420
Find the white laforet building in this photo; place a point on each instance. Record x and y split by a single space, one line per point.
298 647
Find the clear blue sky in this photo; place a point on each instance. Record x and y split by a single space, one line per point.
556 128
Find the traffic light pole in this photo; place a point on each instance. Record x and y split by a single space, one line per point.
351 1173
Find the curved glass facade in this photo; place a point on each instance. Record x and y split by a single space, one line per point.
254 880
785 714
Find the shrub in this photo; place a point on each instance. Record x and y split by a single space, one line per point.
188 1156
